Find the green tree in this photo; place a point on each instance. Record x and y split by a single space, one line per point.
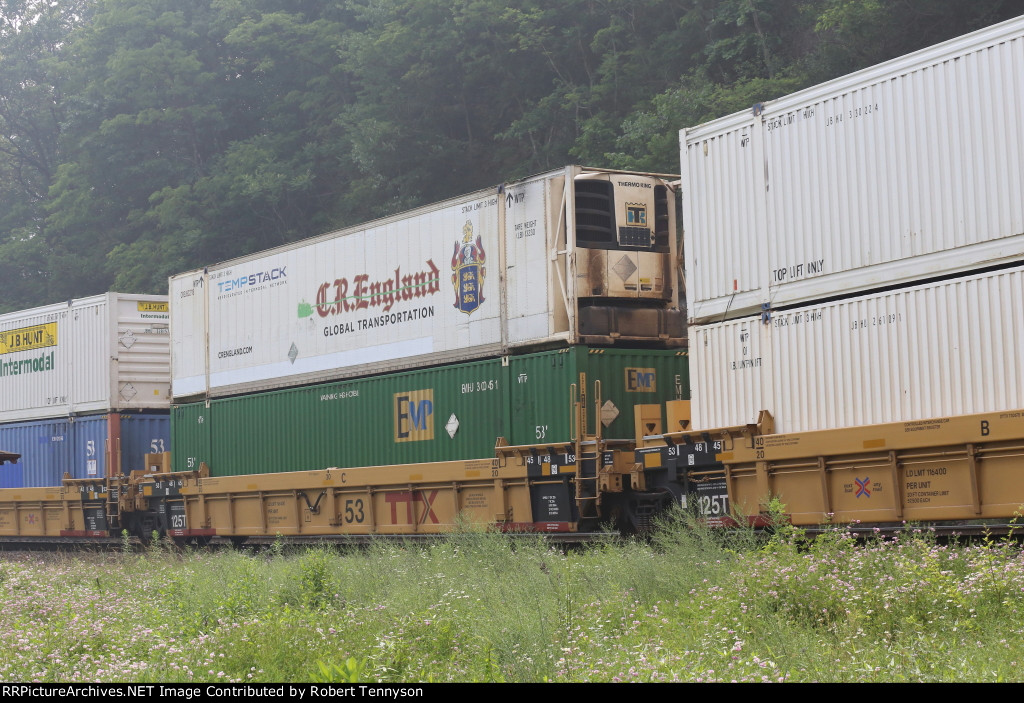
32 116
140 138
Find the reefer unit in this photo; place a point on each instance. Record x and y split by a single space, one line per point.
890 175
87 446
950 348
572 256
107 352
438 414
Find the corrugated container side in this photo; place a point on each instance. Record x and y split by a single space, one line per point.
539 389
634 377
527 300
366 300
142 351
893 174
89 347
35 363
725 241
950 348
445 413
395 419
11 476
190 436
188 333
50 448
85 357
538 392
87 447
45 448
532 213
141 434
728 383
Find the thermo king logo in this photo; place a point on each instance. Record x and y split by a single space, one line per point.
414 416
641 380
636 214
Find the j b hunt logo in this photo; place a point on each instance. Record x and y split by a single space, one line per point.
414 416
28 338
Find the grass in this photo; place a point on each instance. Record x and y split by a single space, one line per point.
688 605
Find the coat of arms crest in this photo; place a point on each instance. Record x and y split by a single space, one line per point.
468 271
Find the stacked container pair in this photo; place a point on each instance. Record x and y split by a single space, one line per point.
86 388
427 335
437 414
854 250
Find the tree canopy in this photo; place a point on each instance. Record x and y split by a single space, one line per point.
141 138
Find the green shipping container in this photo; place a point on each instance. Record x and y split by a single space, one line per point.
437 414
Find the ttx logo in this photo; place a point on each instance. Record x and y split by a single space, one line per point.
414 416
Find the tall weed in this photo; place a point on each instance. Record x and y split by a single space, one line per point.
689 604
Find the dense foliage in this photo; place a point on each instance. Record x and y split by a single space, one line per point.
690 605
139 138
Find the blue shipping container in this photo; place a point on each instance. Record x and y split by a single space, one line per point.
78 446
10 476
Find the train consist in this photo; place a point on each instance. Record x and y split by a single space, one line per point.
361 380
524 356
854 266
86 388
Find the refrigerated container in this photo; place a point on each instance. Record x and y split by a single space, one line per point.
567 257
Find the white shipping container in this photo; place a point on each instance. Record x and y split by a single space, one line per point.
949 348
106 352
467 278
902 171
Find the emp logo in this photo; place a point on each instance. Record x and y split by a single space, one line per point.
414 416
641 381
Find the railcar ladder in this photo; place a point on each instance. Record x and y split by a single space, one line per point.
113 505
587 451
111 481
